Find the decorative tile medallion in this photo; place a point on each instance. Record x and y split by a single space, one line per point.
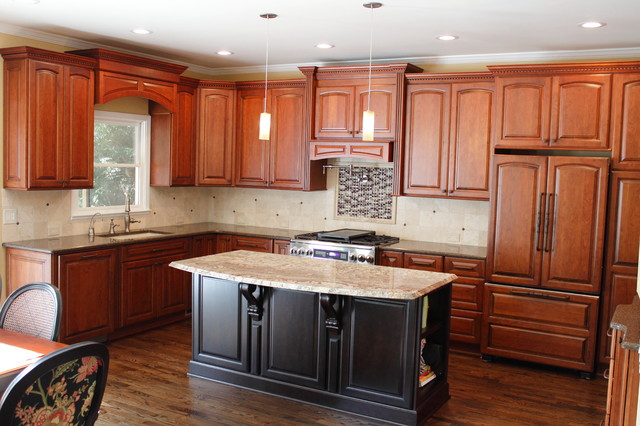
365 193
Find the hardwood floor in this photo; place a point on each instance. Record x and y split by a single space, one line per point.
148 385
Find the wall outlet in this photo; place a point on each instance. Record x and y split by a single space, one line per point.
454 238
179 220
53 231
9 216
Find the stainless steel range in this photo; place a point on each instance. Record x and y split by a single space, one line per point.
347 245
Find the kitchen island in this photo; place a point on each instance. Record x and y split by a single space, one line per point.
336 334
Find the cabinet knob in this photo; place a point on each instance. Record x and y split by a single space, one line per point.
444 191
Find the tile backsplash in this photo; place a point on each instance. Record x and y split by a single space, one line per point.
365 193
47 213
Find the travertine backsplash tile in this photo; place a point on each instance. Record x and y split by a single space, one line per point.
438 220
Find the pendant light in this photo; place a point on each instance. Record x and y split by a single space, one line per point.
265 117
368 125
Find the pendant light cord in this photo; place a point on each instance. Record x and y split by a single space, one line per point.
266 67
370 60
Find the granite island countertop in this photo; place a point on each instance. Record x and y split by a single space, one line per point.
71 243
316 275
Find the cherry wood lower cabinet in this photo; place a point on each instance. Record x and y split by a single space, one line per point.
548 327
227 242
351 353
148 287
466 290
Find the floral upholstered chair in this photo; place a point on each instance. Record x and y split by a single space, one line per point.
63 388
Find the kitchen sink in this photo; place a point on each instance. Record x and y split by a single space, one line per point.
136 235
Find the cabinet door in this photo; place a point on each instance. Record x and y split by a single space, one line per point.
224 243
287 145
335 112
427 139
575 214
173 287
580 111
281 246
522 111
391 258
46 115
423 262
294 338
183 149
219 302
383 104
517 213
470 140
625 118
204 245
87 283
78 128
138 299
251 153
264 245
215 136
379 350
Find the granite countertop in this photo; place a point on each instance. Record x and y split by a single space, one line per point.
83 242
439 248
627 319
316 275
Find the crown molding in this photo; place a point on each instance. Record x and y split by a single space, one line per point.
491 58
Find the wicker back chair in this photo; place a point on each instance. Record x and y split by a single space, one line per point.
64 387
33 309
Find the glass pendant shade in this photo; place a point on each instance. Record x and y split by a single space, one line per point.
265 126
367 125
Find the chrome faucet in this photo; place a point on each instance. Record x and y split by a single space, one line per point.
127 214
92 231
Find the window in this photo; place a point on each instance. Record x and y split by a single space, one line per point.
121 165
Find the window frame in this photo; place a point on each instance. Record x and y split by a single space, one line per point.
143 152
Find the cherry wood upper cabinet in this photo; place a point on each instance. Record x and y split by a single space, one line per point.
547 222
625 119
564 106
339 110
279 161
427 139
173 138
120 75
448 138
48 119
216 127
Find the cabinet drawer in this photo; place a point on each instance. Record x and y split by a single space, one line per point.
466 293
391 258
472 268
423 262
264 245
155 249
542 326
465 326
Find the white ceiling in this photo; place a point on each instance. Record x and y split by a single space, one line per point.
191 31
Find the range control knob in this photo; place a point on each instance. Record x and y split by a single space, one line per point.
309 252
361 258
292 251
369 259
352 257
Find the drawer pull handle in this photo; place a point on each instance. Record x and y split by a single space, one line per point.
610 332
157 250
240 244
606 374
89 256
464 266
539 295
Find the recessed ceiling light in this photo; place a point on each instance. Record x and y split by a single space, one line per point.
592 24
447 37
224 52
324 46
141 31
27 1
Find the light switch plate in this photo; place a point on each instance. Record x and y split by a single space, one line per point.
9 216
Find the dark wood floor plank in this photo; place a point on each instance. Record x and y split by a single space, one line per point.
148 385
